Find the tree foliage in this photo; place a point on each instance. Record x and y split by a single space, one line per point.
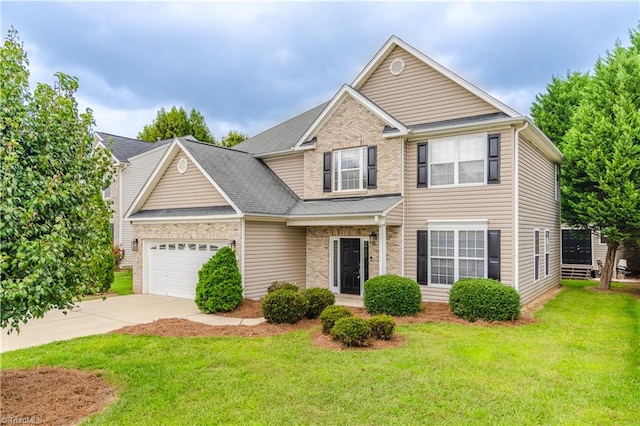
601 174
54 224
233 138
552 111
176 123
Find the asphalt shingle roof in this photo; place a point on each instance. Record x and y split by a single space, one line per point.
181 212
248 182
282 137
345 206
124 148
457 121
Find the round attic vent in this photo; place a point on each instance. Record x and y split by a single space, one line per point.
182 165
397 66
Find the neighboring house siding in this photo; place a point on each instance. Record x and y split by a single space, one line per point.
289 168
492 202
114 204
191 189
182 232
134 176
538 210
394 217
421 94
351 126
273 252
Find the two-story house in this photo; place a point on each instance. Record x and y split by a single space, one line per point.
133 161
409 170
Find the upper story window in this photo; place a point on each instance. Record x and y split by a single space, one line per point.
350 169
106 193
458 160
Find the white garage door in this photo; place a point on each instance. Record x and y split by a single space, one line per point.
173 266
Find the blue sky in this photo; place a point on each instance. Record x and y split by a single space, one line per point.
248 66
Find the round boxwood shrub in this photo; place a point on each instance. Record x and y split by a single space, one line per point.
331 314
279 285
219 285
382 327
284 306
351 331
483 298
317 300
392 295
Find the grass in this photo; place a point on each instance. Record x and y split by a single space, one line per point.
579 364
123 282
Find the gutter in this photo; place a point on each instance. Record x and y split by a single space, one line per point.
516 205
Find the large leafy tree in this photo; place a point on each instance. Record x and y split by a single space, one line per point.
601 175
552 111
233 138
54 230
176 123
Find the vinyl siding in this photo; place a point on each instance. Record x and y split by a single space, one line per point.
273 252
191 189
538 209
289 168
394 217
421 94
134 177
489 202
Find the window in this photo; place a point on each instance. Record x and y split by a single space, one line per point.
455 254
547 237
603 239
106 193
350 169
536 254
457 161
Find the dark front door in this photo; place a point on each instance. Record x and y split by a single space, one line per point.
350 265
576 247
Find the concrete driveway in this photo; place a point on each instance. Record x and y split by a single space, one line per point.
101 316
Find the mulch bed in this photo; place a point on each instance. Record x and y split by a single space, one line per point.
51 396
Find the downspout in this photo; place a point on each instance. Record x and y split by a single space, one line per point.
121 210
516 206
404 208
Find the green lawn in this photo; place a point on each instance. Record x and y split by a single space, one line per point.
579 365
123 282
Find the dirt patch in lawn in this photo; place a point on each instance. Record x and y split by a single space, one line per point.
51 396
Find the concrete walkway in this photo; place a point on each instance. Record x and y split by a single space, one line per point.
101 316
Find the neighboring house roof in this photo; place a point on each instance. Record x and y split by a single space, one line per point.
346 206
123 148
283 137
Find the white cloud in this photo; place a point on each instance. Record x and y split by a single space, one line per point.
519 99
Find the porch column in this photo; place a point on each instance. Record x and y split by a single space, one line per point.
382 249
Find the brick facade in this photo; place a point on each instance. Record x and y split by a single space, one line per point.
318 250
182 232
350 126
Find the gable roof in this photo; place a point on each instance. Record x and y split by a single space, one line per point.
395 41
123 148
345 91
282 137
245 181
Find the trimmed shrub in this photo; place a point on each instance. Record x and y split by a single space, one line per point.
392 295
279 285
382 327
284 306
219 287
317 300
331 314
483 298
351 331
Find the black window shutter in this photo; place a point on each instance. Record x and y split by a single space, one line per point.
372 169
422 257
326 172
493 159
493 266
423 179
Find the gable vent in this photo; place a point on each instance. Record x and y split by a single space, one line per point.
397 66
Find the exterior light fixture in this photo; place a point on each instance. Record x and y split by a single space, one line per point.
373 237
134 245
232 245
